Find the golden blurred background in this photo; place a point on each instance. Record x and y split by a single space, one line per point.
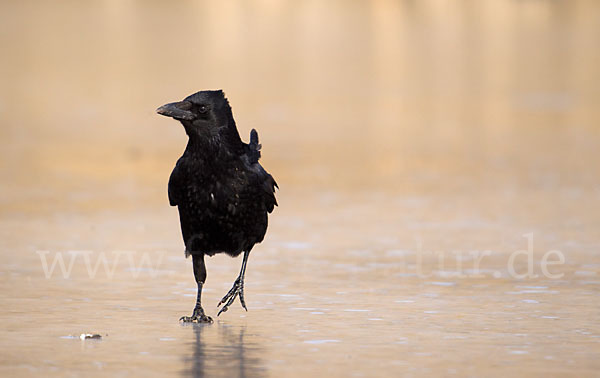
383 95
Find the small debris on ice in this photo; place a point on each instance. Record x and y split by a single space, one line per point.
84 336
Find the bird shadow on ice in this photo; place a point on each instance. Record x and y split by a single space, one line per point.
222 350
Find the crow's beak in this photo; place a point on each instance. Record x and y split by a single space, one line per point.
177 110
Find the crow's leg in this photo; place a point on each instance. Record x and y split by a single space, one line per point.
198 315
237 289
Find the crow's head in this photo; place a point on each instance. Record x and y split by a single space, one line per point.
203 114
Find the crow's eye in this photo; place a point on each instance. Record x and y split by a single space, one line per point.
202 109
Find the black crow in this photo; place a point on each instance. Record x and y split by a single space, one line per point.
223 194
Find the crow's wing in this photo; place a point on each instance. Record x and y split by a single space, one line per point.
267 181
269 186
175 182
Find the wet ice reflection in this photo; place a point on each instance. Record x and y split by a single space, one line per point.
222 350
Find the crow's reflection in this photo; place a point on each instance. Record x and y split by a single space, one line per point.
221 350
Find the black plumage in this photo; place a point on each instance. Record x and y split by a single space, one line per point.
222 192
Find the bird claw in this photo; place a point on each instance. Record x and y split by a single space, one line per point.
237 289
197 317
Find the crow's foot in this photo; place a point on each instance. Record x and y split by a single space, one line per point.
198 316
237 289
